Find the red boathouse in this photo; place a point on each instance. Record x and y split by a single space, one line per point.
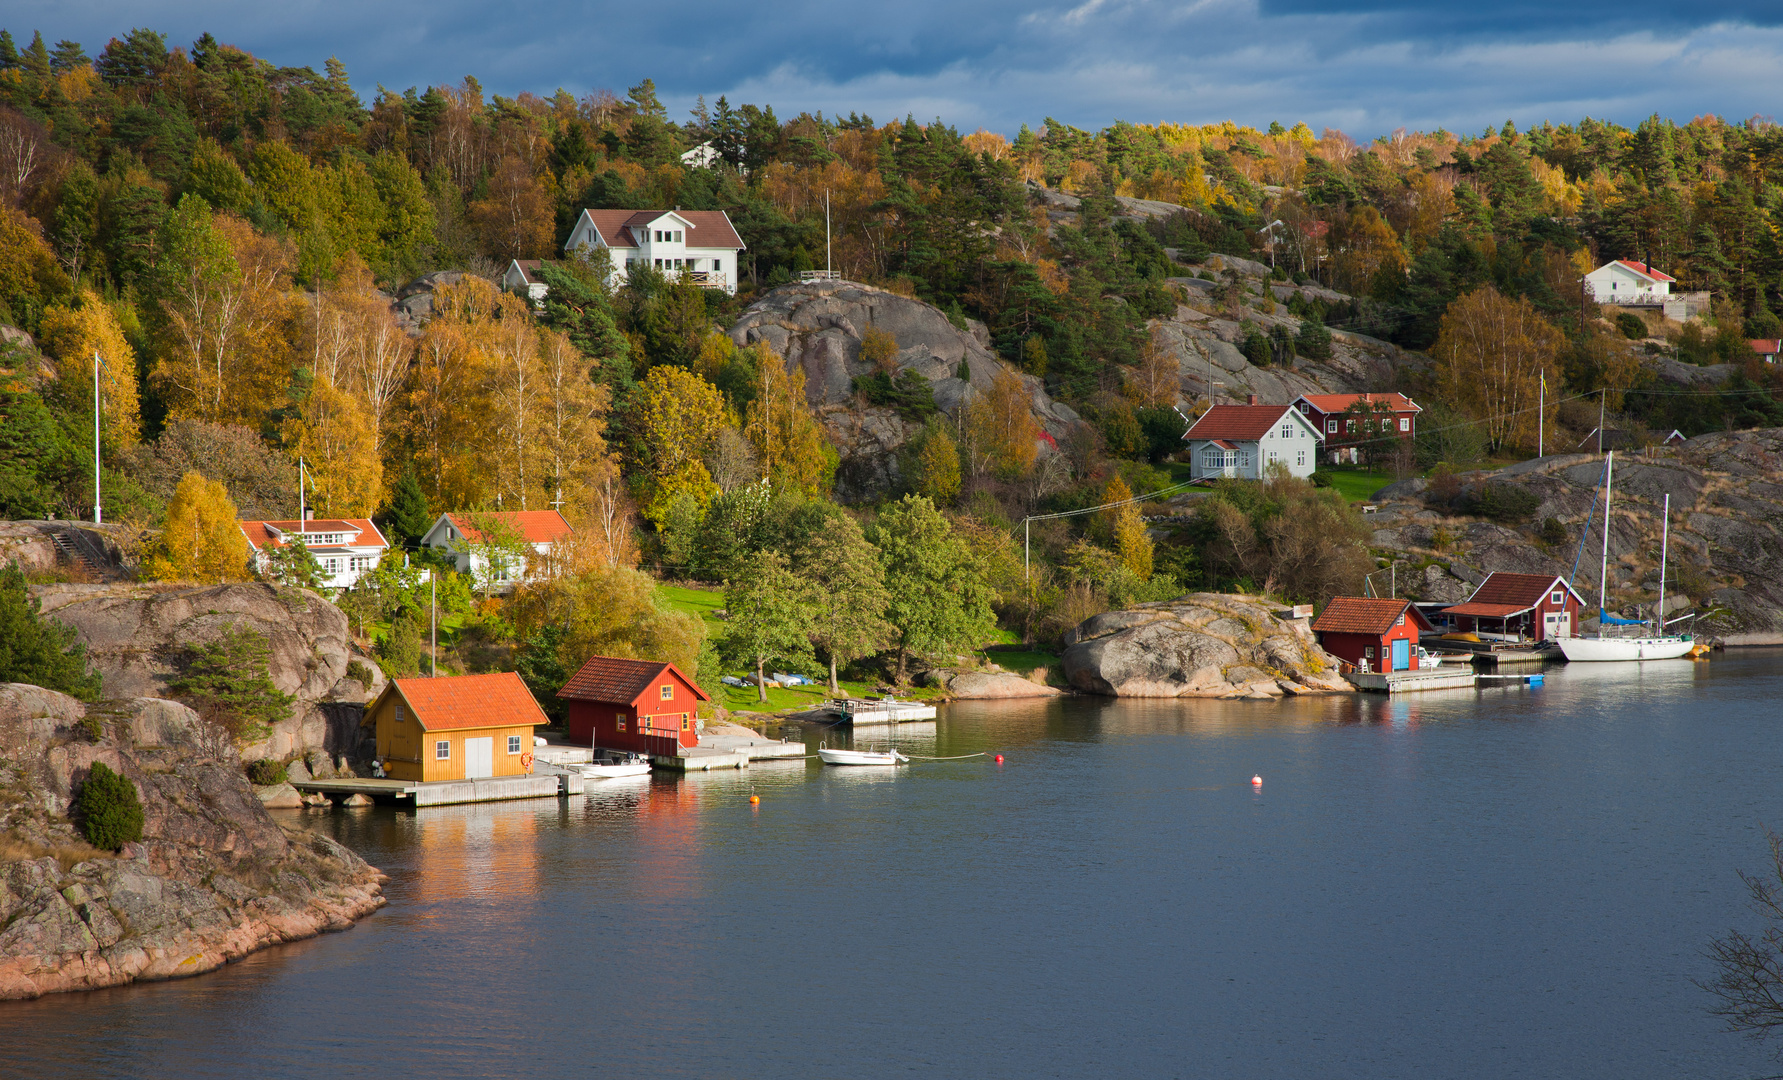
1536 607
639 706
1372 634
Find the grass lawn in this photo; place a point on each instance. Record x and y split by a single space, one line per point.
1356 485
702 602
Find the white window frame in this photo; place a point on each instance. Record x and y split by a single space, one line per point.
1557 597
513 745
1331 427
1405 423
1300 457
442 750
1287 431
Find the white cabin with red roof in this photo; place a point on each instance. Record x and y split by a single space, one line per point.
1630 284
461 536
701 244
1242 441
345 548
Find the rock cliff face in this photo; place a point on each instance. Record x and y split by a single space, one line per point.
213 878
817 327
1726 531
136 633
1202 645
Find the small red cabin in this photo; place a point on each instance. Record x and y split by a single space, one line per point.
1374 635
1537 607
639 706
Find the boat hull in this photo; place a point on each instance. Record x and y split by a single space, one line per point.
1611 649
610 772
861 757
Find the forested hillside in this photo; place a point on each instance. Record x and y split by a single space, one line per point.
229 235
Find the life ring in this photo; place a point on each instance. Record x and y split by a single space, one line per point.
526 762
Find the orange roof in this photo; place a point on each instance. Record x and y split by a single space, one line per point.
624 228
1242 422
613 679
260 536
1365 615
1336 403
461 702
1765 346
1645 270
534 526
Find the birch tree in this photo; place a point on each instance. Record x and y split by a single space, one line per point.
1491 353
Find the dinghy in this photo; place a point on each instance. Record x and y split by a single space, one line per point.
612 767
861 757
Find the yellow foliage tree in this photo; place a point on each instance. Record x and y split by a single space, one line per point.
1491 353
333 433
73 335
1000 428
938 468
202 540
679 416
789 443
1366 247
879 348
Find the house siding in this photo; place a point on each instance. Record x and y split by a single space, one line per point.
407 750
1354 647
654 724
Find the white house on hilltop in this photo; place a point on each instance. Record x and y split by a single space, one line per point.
532 530
1242 441
344 548
701 244
1630 284
523 277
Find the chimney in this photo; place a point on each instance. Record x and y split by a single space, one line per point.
1253 400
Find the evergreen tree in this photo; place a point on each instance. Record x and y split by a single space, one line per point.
36 650
406 517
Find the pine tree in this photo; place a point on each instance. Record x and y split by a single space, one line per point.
36 650
406 517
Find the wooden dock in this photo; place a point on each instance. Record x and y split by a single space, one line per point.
868 711
1406 682
442 792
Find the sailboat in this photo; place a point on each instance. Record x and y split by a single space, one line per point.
1602 647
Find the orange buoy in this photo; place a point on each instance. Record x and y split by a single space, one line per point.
753 799
1256 781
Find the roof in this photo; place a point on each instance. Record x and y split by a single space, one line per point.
1765 346
612 678
1335 403
1645 270
1244 423
1365 615
1511 592
624 228
528 269
535 526
259 533
462 702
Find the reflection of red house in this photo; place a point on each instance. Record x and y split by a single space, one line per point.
1374 635
641 706
1536 606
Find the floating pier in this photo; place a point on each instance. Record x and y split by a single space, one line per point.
445 792
1405 682
860 711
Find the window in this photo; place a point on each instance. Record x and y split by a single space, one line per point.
1212 459
1368 651
620 722
659 264
1331 427
677 236
1244 459
1559 598
666 691
1274 457
1287 431
399 716
1300 457
442 750
686 724
1349 426
1402 618
1405 423
513 744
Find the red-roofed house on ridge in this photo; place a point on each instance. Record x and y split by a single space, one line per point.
1328 414
459 534
1243 440
523 277
1372 634
344 547
1628 283
463 727
701 244
1521 607
638 706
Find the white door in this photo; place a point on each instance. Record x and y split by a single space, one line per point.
479 758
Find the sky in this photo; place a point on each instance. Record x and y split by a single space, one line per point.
1365 67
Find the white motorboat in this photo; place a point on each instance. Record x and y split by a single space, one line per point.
614 767
861 757
1604 647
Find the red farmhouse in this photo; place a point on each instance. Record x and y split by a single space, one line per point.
1326 411
1374 635
640 706
1535 606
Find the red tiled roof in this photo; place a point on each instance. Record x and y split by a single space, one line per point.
1242 422
259 537
528 268
1365 615
621 681
1519 591
1336 403
459 702
707 228
1765 346
1645 270
535 526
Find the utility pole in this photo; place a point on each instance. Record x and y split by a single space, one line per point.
433 620
98 514
828 266
302 516
1541 417
1600 399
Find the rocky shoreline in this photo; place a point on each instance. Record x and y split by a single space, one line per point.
213 878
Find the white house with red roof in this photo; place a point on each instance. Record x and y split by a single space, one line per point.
1630 284
1327 413
1242 441
345 548
701 244
464 537
522 277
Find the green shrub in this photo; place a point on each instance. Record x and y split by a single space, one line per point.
266 772
908 393
227 682
1631 326
110 812
36 650
357 670
1313 341
1503 503
1320 480
1553 531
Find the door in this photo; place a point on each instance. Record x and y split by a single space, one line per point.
1402 655
479 758
1557 624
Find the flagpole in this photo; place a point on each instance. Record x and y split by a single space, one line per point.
1541 417
98 514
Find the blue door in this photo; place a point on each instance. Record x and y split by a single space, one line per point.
1402 655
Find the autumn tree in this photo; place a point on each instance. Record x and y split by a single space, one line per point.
1126 529
203 540
848 598
1000 428
789 443
938 467
74 335
939 599
767 614
678 418
333 433
1491 354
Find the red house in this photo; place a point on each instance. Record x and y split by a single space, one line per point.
1374 635
1326 411
1533 606
639 706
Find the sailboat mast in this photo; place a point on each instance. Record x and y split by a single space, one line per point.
1665 535
1603 579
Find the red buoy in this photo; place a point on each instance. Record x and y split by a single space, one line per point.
999 759
1256 781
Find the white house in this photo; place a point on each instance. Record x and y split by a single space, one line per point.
699 243
1630 284
1244 440
523 277
703 156
458 535
345 548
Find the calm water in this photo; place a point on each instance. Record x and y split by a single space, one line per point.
1517 882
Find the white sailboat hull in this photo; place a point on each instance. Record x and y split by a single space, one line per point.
1589 649
861 757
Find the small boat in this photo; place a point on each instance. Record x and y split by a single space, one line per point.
861 757
1603 647
613 767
